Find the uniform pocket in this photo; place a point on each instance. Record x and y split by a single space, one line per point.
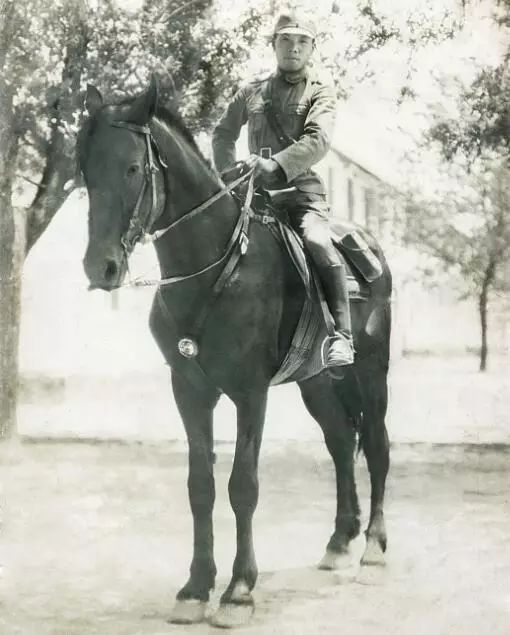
293 119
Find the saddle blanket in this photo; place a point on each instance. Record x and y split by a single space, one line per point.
304 357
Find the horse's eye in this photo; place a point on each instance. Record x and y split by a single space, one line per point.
133 169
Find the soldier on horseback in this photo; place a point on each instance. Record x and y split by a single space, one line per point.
290 117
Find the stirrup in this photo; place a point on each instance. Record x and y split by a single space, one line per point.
337 368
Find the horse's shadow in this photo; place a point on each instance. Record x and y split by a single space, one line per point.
300 582
279 591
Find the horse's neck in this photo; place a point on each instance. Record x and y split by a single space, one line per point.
199 242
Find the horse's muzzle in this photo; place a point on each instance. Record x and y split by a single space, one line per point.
102 287
104 273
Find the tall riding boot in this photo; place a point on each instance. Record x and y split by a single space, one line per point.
334 281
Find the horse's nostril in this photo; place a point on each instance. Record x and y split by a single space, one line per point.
110 273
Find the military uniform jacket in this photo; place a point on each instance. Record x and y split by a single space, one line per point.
306 112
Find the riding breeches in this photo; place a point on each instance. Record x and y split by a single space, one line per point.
309 216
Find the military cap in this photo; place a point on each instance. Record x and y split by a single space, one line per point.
296 24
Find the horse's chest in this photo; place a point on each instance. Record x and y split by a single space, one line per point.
237 329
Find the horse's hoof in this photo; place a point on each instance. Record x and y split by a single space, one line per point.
333 561
188 612
232 615
237 611
373 555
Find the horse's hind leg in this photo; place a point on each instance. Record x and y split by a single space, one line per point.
196 409
237 605
375 444
321 398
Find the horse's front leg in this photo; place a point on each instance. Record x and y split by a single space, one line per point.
196 409
237 605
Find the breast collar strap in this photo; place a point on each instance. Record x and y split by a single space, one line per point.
237 246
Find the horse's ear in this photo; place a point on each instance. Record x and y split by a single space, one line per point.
144 106
93 99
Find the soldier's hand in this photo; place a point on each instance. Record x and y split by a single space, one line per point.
251 162
267 172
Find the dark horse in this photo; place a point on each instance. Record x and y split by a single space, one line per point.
143 171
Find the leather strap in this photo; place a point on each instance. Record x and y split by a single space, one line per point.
237 247
194 372
138 225
272 118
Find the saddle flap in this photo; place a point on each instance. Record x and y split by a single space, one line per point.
294 246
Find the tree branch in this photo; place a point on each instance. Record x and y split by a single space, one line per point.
59 166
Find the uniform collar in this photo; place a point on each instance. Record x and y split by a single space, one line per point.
292 78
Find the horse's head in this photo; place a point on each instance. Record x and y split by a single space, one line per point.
119 160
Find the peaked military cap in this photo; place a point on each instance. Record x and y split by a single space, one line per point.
296 24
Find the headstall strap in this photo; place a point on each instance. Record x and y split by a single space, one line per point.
235 249
137 226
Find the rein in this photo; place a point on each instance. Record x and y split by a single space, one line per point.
137 230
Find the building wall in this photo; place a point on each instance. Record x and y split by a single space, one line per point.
426 318
358 195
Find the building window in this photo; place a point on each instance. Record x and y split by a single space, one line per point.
369 208
350 198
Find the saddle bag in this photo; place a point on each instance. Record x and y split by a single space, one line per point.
357 251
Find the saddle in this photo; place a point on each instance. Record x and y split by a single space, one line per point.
268 206
304 357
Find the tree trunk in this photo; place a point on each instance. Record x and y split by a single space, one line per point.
11 262
60 166
482 307
18 234
483 311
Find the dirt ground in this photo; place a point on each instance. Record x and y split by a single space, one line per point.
96 539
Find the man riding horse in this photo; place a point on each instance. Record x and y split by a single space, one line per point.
290 117
146 176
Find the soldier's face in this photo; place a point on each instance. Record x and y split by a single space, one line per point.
292 51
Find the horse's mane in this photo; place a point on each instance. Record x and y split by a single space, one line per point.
168 115
173 119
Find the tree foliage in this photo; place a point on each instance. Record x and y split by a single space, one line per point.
483 120
460 216
482 123
464 226
465 223
201 50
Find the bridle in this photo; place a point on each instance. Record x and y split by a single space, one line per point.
140 224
